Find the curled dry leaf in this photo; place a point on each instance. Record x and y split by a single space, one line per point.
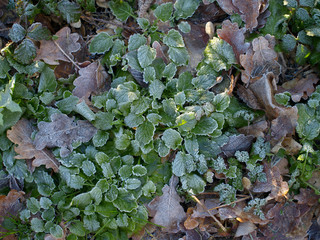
237 143
50 53
300 88
62 131
231 33
245 228
166 209
92 79
20 134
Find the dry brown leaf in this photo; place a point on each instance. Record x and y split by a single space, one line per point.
307 196
61 132
249 12
237 143
20 134
282 165
228 6
231 33
315 179
257 129
50 53
300 88
246 95
92 79
275 185
190 223
245 228
200 212
166 209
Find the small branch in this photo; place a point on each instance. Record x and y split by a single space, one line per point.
226 205
213 217
64 53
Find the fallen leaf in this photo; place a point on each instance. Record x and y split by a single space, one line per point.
166 209
190 223
49 51
231 33
257 129
307 196
282 165
92 79
245 228
62 131
228 7
315 179
246 95
275 185
20 134
200 212
237 143
300 88
249 12
291 146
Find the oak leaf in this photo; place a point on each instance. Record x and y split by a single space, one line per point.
166 209
237 143
20 134
61 132
53 50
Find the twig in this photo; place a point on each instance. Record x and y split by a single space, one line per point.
74 63
213 217
226 205
216 193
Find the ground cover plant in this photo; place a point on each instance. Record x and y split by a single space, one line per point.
159 119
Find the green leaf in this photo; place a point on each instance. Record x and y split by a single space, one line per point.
90 223
37 225
68 104
25 52
133 183
96 195
101 43
307 3
184 27
169 71
182 164
107 170
100 138
221 101
121 9
143 23
37 32
44 183
193 182
126 92
302 54
219 54
133 120
191 145
112 193
179 56
154 118
7 102
56 231
70 11
103 120
33 205
4 67
122 142
180 98
88 168
283 98
185 81
132 58
135 41
204 81
173 39
125 171
161 148
76 182
45 203
144 133
146 55
83 109
172 138
140 105
313 31
205 126
125 201
185 8
149 74
81 200
149 188
122 220
164 11
17 32
47 80
156 89
76 227
288 42
139 170
186 121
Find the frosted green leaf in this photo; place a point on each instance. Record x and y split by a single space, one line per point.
68 104
313 31
44 183
88 168
38 32
184 27
180 98
132 58
288 42
184 81
37 225
302 53
76 227
4 67
221 101
219 54
302 14
125 172
121 9
112 193
48 214
191 145
140 106
45 203
17 32
96 195
122 142
164 11
154 118
126 92
149 74
24 215
70 11
283 98
103 120
143 23
186 121
169 71
205 126
25 52
101 43
147 148
132 183
146 55
81 200
125 202
231 172
179 56
185 8
306 3
172 138
133 120
193 183
161 148
128 159
204 81
173 39
139 170
156 89
135 41
182 164
56 231
101 157
149 188
83 109
47 80
33 205
107 170
76 182
201 164
90 223
103 185
122 220
144 133
100 138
